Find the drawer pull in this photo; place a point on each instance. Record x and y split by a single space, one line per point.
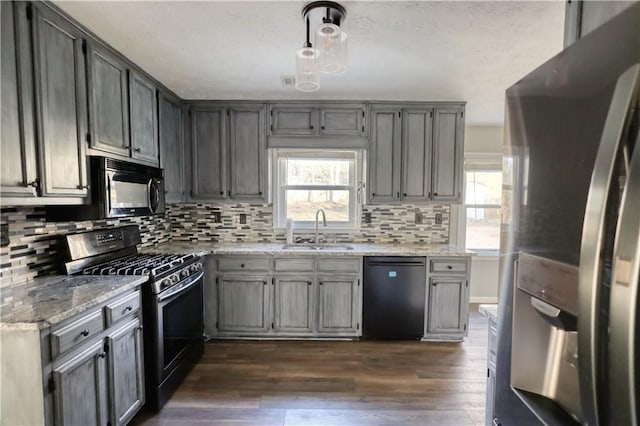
242 265
449 267
84 332
128 308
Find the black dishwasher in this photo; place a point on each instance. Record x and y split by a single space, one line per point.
393 297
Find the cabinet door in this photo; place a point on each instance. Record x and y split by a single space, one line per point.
171 147
16 123
294 120
447 305
447 155
61 104
144 118
416 154
384 155
208 152
243 304
247 162
108 103
80 394
342 121
339 305
294 302
126 372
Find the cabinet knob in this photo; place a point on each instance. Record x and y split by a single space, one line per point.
449 267
34 184
404 194
242 265
264 283
221 192
84 332
136 149
128 308
102 355
322 127
311 127
435 194
320 283
309 283
373 194
140 328
435 284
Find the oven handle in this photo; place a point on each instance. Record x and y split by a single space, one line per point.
176 291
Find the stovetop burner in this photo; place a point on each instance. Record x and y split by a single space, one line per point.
141 264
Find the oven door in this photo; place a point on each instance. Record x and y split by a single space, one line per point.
180 316
131 194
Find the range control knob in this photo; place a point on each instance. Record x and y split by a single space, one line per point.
175 278
166 283
195 267
184 273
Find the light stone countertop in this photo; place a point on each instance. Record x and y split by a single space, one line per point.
49 300
489 311
277 249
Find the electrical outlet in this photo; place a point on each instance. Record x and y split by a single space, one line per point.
217 217
4 234
367 218
438 218
243 218
419 218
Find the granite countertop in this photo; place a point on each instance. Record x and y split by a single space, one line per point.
359 249
46 301
489 311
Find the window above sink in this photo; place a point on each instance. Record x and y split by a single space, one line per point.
307 180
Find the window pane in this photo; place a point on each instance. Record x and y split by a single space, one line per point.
303 204
483 228
483 187
317 172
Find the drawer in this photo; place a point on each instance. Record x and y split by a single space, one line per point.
122 307
339 265
243 264
452 266
293 265
78 331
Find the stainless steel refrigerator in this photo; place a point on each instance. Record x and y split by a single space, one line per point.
568 348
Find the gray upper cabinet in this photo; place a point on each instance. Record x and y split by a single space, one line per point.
80 395
170 119
341 121
247 152
447 154
108 101
384 154
416 154
243 304
61 104
126 371
18 174
293 120
144 118
229 157
208 153
294 303
338 308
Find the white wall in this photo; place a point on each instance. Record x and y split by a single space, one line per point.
484 269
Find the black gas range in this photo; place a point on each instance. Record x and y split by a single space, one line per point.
172 301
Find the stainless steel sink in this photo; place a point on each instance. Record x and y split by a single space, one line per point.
319 246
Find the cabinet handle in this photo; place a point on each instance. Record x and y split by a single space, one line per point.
435 194
259 192
264 283
373 194
102 355
322 127
404 194
309 283
136 149
84 186
429 194
311 127
34 184
435 284
84 332
320 283
139 328
398 194
229 193
221 192
128 308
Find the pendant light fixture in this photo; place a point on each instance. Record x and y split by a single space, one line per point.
329 55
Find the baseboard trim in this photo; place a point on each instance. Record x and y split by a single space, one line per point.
483 300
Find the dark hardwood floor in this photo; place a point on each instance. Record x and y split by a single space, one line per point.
334 383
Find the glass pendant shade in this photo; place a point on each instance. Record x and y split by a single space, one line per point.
306 70
331 43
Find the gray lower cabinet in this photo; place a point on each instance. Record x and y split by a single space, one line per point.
126 371
80 395
294 302
415 153
307 296
170 133
144 118
61 104
338 305
228 152
108 100
447 304
243 304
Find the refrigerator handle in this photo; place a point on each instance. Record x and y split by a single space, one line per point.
624 299
592 239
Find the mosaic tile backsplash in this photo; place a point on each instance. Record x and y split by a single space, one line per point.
34 243
389 224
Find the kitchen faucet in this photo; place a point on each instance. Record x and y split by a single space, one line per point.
324 223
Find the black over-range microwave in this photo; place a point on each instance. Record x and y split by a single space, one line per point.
118 189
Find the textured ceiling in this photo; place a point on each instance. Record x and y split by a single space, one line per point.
422 51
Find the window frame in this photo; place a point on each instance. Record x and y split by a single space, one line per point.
459 230
355 187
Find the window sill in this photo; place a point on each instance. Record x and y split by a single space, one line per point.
321 230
